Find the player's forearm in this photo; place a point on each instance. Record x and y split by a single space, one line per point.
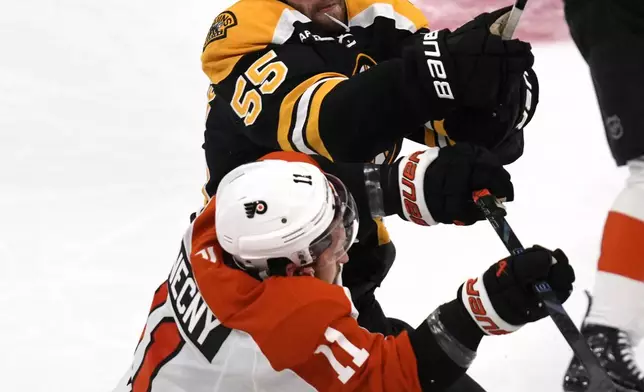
365 114
375 188
374 193
445 345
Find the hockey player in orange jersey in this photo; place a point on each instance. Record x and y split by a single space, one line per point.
614 325
254 300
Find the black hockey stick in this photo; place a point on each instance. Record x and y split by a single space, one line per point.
495 214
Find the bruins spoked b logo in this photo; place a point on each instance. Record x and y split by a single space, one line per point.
220 26
258 207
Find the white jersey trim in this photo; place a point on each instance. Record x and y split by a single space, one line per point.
369 15
299 131
285 28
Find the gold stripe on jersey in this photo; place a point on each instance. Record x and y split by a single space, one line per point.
436 136
313 124
289 105
392 153
383 234
439 126
407 16
259 23
206 197
430 137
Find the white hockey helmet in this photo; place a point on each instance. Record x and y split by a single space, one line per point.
275 209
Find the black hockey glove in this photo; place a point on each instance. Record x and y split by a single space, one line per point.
470 67
500 129
436 185
503 300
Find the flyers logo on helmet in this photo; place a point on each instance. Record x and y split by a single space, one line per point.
256 207
220 26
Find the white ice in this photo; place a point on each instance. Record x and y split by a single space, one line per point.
101 121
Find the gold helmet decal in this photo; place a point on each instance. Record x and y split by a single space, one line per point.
220 26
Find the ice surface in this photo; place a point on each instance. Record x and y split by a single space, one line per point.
101 121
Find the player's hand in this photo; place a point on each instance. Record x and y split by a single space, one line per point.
469 67
458 171
503 299
492 128
436 185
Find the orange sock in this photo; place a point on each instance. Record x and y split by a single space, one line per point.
623 246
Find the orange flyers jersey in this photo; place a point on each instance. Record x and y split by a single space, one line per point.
280 82
215 328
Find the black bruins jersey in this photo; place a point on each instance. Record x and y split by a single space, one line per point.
279 82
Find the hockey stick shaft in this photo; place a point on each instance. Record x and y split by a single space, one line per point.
495 214
513 19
